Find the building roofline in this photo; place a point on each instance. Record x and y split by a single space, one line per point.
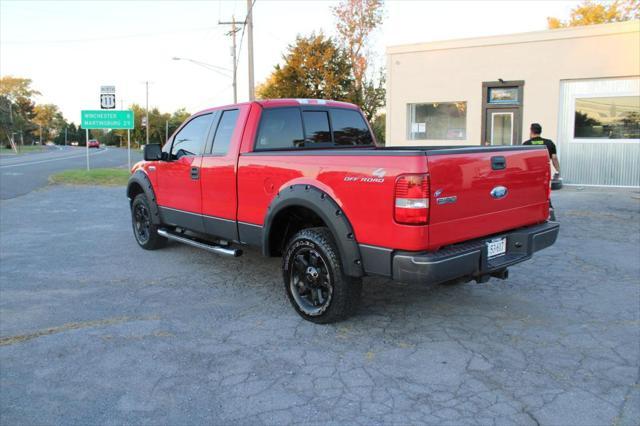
517 38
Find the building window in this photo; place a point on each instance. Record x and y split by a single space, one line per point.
437 121
503 95
616 117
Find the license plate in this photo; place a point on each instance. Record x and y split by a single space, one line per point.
496 247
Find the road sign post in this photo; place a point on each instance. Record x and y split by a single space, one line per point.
86 144
107 119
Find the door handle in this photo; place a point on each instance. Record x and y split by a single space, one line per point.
498 162
195 173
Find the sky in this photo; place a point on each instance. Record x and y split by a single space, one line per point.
70 48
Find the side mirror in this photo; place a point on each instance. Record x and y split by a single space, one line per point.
152 152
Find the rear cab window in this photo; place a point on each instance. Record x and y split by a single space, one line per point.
350 128
292 128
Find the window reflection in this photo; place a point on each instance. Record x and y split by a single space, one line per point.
608 118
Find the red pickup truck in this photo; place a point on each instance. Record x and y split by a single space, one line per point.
304 180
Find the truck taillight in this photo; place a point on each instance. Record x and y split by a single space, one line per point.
412 199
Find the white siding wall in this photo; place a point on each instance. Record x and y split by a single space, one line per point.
596 162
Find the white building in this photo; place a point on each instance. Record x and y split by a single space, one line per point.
581 84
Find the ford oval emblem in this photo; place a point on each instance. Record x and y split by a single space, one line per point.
499 192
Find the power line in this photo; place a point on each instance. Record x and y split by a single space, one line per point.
90 39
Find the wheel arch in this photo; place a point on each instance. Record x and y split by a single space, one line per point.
318 209
140 183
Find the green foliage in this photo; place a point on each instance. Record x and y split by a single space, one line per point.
591 12
49 121
314 67
16 107
378 125
19 115
357 20
319 67
157 123
15 88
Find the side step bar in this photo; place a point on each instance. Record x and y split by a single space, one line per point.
209 247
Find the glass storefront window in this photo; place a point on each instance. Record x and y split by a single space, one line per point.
503 95
437 121
616 117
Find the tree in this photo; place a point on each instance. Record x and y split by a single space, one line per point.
16 106
590 12
357 20
49 120
379 125
16 87
314 67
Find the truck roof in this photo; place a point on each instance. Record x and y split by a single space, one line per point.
274 103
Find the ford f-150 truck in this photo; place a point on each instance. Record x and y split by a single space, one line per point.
305 180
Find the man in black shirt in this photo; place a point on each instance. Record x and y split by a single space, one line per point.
535 132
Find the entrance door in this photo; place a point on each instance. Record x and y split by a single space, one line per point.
501 127
502 112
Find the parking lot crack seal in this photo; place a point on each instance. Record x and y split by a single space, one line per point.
10 340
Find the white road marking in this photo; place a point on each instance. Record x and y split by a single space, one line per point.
29 163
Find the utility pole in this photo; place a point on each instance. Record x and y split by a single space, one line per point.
249 24
166 131
232 33
147 84
65 136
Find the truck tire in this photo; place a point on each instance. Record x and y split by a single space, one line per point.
314 280
145 232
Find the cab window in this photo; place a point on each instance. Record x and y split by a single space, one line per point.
224 132
316 127
280 128
191 139
349 127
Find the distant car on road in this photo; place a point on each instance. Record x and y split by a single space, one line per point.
94 143
74 143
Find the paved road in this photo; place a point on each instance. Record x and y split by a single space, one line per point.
21 174
95 330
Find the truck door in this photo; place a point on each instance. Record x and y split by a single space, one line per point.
219 192
179 191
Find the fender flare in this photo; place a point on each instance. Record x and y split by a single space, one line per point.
141 179
329 211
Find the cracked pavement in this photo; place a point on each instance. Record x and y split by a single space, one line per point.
94 330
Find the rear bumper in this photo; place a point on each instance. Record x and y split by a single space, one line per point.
470 259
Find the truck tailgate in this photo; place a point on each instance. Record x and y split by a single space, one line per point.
479 192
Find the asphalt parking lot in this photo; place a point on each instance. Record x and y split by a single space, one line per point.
95 330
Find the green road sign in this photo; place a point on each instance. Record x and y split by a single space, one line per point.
107 119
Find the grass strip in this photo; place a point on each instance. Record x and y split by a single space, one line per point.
109 177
